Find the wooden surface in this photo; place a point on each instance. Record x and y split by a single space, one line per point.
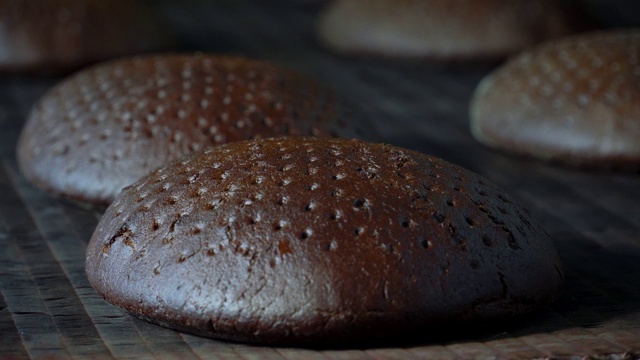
48 309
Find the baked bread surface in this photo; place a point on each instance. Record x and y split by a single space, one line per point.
105 127
308 241
574 100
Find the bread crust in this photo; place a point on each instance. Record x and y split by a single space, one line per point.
59 36
309 241
441 29
574 101
105 127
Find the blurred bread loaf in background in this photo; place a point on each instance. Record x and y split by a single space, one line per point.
443 29
54 36
574 100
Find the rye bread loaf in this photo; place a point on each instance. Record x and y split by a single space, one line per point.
318 241
107 126
574 100
443 29
49 36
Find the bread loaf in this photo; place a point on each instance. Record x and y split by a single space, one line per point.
574 100
107 126
442 29
319 241
53 36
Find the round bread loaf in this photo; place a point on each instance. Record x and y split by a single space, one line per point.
444 29
575 100
60 35
316 241
107 126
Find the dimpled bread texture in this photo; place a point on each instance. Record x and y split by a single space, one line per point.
60 35
107 126
575 100
447 29
314 241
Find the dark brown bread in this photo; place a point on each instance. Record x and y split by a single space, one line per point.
107 126
444 29
50 36
316 241
575 100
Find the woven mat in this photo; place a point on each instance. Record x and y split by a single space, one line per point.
48 309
